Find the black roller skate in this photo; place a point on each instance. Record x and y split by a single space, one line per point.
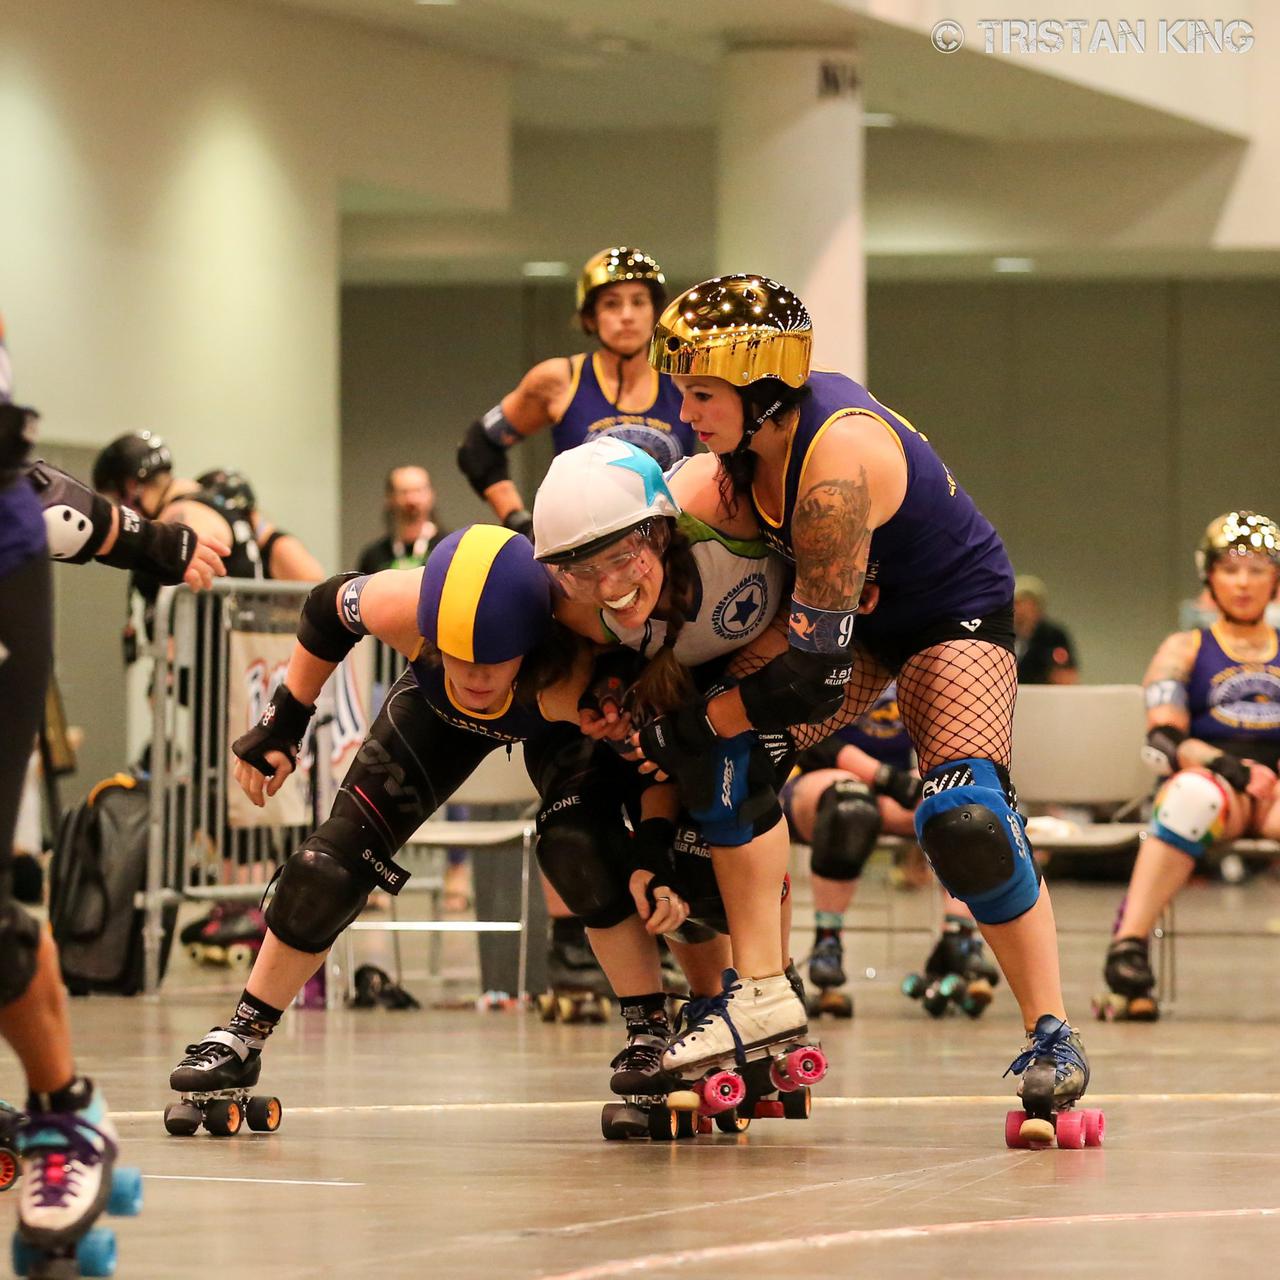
230 935
577 991
826 973
1054 1075
70 1179
214 1079
1130 982
958 973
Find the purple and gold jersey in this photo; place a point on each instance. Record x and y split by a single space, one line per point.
513 722
656 429
938 557
1235 702
879 732
22 535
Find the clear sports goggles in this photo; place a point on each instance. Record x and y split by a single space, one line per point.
623 562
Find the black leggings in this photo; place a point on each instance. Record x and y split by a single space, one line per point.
25 658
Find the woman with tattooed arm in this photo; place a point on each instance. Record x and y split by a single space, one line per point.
856 498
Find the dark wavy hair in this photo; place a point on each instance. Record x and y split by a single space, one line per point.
769 396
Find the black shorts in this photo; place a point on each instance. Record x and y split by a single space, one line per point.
893 648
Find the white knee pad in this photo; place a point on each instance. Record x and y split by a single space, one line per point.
1190 812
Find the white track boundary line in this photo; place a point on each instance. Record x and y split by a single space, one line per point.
273 1182
720 1253
820 1101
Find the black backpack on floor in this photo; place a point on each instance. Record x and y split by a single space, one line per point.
96 881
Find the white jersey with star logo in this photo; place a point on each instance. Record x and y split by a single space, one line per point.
739 591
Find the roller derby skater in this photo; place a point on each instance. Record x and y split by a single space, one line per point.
1213 734
64 1143
230 935
216 1075
957 974
897 575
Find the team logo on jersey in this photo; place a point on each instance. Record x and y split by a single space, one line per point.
652 435
742 609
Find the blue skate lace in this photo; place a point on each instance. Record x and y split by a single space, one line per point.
62 1140
710 1008
1056 1045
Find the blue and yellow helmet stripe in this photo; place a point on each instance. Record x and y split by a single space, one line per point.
484 597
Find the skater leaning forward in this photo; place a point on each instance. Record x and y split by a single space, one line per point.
488 668
1213 729
857 498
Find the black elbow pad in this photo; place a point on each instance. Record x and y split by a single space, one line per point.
320 629
797 687
480 460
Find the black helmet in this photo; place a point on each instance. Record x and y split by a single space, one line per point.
136 456
229 490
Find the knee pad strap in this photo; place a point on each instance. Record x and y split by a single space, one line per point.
19 942
1190 812
976 840
845 830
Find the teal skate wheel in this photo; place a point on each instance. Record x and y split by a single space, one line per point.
913 986
952 987
126 1193
96 1253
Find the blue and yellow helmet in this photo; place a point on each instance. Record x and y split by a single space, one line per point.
484 597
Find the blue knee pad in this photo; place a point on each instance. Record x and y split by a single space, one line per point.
976 840
745 802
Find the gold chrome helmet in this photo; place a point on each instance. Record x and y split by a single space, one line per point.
617 266
739 328
1238 533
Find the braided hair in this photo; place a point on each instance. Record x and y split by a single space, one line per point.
665 684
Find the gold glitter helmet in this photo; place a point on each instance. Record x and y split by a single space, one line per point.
617 266
740 328
1238 533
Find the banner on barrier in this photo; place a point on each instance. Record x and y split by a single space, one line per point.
257 664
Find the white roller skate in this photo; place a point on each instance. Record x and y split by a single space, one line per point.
750 1020
70 1177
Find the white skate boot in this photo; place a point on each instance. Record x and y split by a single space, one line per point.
741 1023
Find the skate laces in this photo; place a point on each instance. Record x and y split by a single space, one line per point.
60 1146
1054 1043
710 1008
642 1052
214 1049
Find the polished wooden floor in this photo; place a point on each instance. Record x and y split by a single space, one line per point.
453 1143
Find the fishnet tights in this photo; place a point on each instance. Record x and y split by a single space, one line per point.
956 701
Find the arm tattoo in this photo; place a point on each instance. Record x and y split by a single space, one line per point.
830 537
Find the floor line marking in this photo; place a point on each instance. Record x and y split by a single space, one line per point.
273 1182
826 1240
820 1100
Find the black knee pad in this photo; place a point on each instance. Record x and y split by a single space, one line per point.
322 889
587 868
19 942
845 830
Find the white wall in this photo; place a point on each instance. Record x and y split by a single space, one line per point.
169 221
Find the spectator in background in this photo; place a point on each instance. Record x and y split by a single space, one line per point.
412 533
1043 647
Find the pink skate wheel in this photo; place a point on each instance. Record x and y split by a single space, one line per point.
1095 1126
1069 1128
779 1079
806 1065
1013 1129
722 1091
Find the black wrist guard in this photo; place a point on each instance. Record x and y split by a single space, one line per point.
320 629
797 687
680 743
611 676
281 728
162 550
1235 773
899 785
1161 749
519 521
651 847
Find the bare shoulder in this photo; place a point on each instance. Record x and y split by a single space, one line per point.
198 516
696 487
859 444
1174 658
540 396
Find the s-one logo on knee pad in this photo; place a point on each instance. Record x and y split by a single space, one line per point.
949 779
391 876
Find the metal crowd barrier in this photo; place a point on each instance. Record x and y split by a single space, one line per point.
194 852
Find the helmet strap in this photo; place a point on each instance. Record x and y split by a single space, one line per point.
749 432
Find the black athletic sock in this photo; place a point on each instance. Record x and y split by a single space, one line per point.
254 1019
74 1096
644 1014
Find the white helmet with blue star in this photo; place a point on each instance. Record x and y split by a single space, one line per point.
594 494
